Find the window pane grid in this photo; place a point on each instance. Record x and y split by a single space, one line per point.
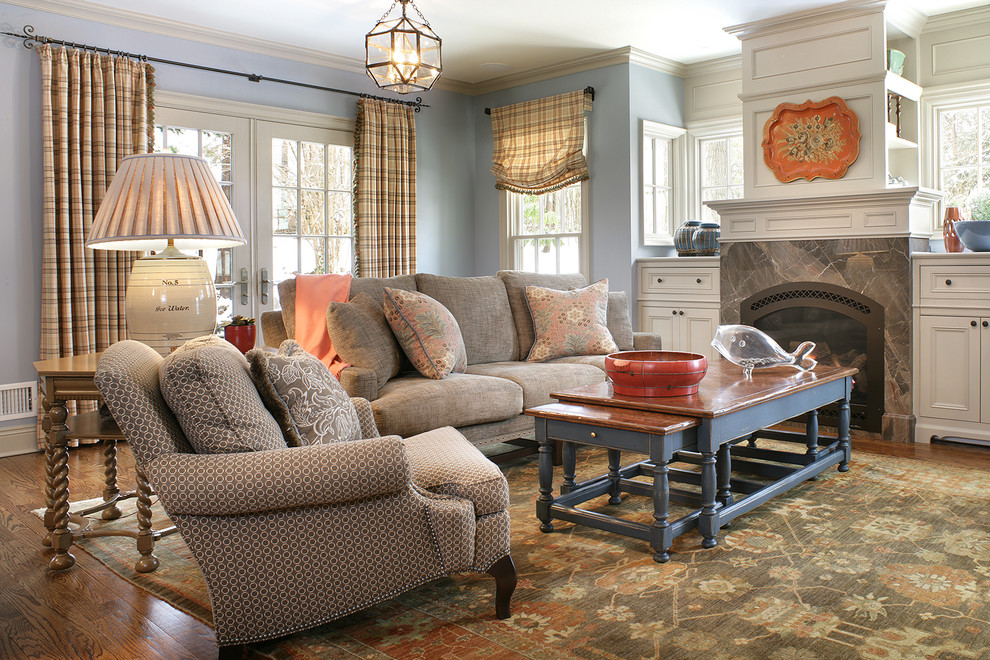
964 153
545 230
720 174
657 187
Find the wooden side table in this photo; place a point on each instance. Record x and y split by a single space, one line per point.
71 379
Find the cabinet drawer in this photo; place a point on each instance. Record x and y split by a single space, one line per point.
954 284
699 283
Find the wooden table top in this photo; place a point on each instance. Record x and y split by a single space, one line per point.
723 390
612 417
75 365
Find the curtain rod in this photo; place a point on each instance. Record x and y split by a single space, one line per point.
30 39
587 90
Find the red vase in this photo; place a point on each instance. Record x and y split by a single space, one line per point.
241 336
952 242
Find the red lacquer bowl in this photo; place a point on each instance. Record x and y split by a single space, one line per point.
655 373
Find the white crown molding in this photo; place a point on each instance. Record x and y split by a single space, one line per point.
957 19
905 18
655 62
730 64
787 22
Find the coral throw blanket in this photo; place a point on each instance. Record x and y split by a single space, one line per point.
314 293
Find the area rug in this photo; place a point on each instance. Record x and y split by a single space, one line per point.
890 560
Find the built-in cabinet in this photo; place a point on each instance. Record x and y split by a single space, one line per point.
952 346
679 300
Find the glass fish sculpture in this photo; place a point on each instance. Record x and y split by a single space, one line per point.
751 348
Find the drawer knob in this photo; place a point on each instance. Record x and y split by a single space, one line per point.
594 435
659 280
674 312
681 312
698 280
986 324
973 323
948 283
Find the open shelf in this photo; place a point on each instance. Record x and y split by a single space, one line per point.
894 142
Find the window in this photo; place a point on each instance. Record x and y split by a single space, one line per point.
312 206
720 172
963 152
662 159
546 233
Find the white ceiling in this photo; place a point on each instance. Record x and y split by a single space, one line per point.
523 34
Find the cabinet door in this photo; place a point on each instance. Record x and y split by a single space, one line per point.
985 369
950 368
660 320
698 329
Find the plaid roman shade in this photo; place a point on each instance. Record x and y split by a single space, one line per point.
538 144
96 109
385 188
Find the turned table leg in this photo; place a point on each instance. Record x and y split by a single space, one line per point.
61 536
146 535
660 538
708 520
110 489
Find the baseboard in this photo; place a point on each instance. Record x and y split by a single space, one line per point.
16 440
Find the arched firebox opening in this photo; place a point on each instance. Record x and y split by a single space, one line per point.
847 328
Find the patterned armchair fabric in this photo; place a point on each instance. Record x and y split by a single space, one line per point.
288 539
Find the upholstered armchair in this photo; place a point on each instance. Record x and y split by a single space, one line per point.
288 539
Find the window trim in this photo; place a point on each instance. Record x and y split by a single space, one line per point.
649 131
933 101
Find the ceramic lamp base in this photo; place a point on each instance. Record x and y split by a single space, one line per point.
170 300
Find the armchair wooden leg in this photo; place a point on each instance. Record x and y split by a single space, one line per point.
235 652
504 572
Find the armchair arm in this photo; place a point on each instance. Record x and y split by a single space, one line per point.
646 341
367 416
273 328
255 482
360 382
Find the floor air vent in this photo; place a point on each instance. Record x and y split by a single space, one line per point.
18 401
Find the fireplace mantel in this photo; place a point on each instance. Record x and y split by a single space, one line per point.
891 212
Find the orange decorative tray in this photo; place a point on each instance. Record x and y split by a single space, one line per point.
815 138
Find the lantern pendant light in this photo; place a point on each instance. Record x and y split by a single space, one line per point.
403 55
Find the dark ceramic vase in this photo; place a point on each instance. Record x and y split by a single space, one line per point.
241 336
684 238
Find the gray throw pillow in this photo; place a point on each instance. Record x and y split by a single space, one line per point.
304 396
362 337
207 386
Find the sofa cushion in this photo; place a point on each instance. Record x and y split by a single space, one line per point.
618 320
443 462
207 386
569 322
427 332
539 379
412 404
481 307
593 360
516 282
296 384
362 337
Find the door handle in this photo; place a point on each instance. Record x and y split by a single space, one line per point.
244 286
265 286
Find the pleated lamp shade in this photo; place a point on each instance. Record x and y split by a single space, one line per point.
156 197
166 202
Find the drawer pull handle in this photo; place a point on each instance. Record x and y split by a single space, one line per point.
674 312
973 323
698 280
659 280
948 283
681 312
986 324
594 435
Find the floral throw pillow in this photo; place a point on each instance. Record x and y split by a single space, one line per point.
306 400
569 322
427 332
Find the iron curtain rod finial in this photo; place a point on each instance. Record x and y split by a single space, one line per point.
589 90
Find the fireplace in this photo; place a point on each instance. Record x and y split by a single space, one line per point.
847 328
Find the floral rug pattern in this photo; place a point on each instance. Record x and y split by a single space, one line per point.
890 561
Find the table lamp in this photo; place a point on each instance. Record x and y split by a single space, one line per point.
166 202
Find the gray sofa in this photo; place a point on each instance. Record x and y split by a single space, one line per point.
485 403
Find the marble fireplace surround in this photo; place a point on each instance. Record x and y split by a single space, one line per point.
879 268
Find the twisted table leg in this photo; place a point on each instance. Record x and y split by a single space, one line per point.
110 490
46 426
146 536
61 536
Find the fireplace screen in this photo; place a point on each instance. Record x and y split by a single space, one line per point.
847 329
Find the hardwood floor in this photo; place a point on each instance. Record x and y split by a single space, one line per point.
89 612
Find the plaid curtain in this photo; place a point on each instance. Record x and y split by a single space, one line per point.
385 188
96 109
538 144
